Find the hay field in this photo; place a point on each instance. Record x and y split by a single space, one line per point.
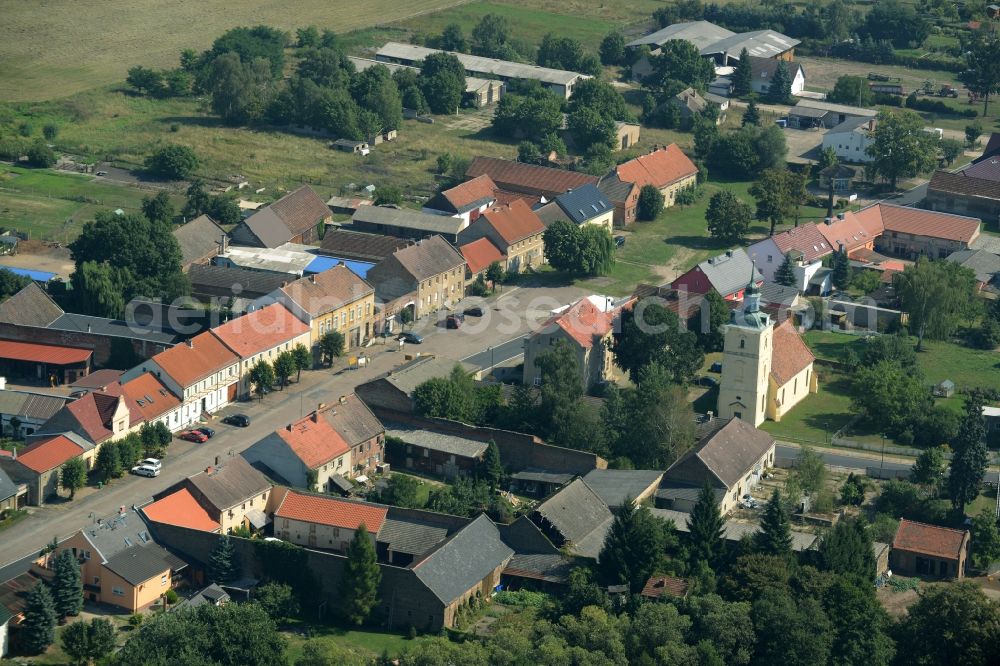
56 48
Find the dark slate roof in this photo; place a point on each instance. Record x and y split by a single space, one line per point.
115 534
986 169
431 256
679 490
983 263
772 292
614 188
266 226
114 328
410 536
213 594
548 567
613 486
359 246
139 563
764 68
249 284
405 218
850 124
353 420
583 203
579 515
729 452
231 483
542 476
463 561
30 307
198 238
7 487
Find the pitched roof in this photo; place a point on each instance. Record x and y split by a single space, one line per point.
37 353
30 307
790 356
992 145
689 99
439 441
929 223
361 246
89 416
260 330
511 175
614 486
466 196
658 586
700 33
389 216
116 533
462 562
98 379
352 419
479 65
763 69
331 511
729 451
300 210
614 188
139 563
410 536
239 281
480 253
583 203
956 183
147 398
576 512
929 539
313 441
198 238
429 257
201 356
113 328
7 486
182 509
514 222
35 406
658 168
230 484
986 169
806 239
327 291
583 322
853 230
764 43
729 272
983 263
49 453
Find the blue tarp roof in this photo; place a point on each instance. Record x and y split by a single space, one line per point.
320 264
37 276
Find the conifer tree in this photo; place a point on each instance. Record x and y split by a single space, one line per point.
970 455
38 630
775 535
752 115
222 563
361 578
67 588
841 275
780 89
742 75
785 275
492 469
705 527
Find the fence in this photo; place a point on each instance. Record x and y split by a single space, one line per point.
887 474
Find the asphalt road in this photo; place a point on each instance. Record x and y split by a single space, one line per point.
841 459
497 354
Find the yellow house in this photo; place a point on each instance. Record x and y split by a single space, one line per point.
334 300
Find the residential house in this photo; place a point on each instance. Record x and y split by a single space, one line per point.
731 456
22 412
467 200
853 232
667 169
431 272
406 223
120 562
804 245
814 113
233 493
181 508
359 246
203 372
319 521
583 205
334 300
558 81
762 72
726 273
515 230
37 465
260 336
766 369
479 255
912 232
983 263
148 400
363 432
588 330
850 139
97 417
963 194
528 180
294 218
436 453
919 549
199 240
575 519
691 105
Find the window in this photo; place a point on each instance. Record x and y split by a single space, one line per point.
163 580
743 343
97 580
117 591
86 554
769 258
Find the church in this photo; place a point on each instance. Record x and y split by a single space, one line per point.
766 369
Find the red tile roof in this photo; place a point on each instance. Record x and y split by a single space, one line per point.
94 411
36 353
514 222
657 586
260 330
49 453
479 254
583 322
192 361
929 539
181 509
658 168
504 198
791 355
919 222
331 511
964 185
854 230
147 398
314 441
806 239
471 191
517 177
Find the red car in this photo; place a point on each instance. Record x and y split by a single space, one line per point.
194 436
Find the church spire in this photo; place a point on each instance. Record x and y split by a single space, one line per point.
751 295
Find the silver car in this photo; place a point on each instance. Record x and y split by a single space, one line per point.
151 462
145 470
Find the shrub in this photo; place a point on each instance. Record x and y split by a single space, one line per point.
522 599
135 620
173 162
650 203
171 596
40 155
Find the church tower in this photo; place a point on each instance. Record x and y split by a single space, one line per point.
746 359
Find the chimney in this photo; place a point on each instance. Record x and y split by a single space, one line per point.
711 415
729 253
209 470
321 407
190 343
315 417
288 427
841 216
827 221
312 278
343 399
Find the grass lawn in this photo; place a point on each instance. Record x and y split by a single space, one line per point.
363 643
815 419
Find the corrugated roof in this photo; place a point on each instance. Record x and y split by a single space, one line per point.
479 65
834 108
658 168
35 353
790 354
327 291
516 176
200 357
331 511
700 33
30 307
260 330
34 406
480 253
513 222
439 441
761 43
229 484
405 218
181 509
239 281
47 454
929 539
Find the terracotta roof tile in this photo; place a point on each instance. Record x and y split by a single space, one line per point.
583 322
929 223
49 453
929 539
854 230
36 353
469 192
791 355
514 222
314 441
181 509
93 412
201 356
327 291
658 168
331 511
479 254
658 586
518 177
260 330
957 183
806 239
147 398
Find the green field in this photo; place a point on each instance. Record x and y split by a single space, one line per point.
359 643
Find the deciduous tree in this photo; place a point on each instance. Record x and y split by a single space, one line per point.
262 377
650 203
331 344
852 90
442 80
728 218
900 148
936 295
173 163
982 59
613 48
651 333
73 475
303 359
951 624
284 366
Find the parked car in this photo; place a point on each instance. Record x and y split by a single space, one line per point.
145 470
454 321
239 420
151 462
473 312
194 436
619 241
716 367
710 382
101 173
410 337
207 432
